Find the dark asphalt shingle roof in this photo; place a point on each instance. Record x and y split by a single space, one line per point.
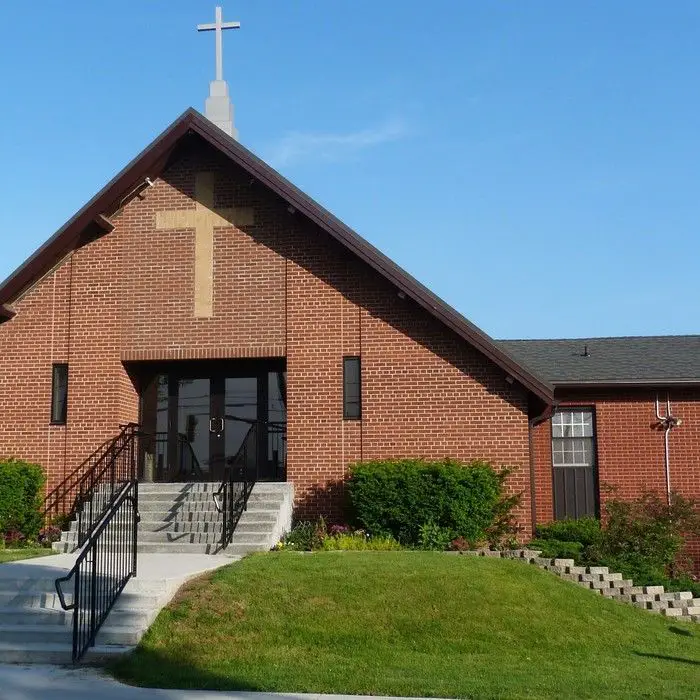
628 360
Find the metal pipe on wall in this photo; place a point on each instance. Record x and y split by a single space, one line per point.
667 422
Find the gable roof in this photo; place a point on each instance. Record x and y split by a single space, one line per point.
150 162
643 360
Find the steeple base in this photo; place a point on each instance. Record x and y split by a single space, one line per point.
219 108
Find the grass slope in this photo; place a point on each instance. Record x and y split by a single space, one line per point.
25 553
410 623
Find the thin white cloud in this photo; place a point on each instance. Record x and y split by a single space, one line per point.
298 146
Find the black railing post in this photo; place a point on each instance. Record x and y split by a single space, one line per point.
135 533
77 602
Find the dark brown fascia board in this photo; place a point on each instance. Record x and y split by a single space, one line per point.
628 384
5 313
67 237
371 255
154 155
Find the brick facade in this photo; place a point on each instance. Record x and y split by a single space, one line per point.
629 446
282 288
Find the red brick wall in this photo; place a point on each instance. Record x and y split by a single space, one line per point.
282 288
630 447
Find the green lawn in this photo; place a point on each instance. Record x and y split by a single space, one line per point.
26 553
410 623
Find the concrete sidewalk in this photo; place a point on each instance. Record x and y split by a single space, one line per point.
57 683
150 567
35 630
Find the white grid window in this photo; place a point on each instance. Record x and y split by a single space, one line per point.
572 439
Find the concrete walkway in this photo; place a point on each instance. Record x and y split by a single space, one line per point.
34 629
150 567
56 683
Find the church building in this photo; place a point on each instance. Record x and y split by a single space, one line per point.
200 293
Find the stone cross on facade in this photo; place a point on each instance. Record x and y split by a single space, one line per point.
203 218
219 108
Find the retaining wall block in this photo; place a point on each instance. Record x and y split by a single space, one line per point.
563 562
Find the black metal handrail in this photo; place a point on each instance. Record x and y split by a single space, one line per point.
231 499
189 467
102 569
89 491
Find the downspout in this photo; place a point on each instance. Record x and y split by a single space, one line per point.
667 422
532 423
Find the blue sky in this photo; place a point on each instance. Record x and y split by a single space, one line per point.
537 164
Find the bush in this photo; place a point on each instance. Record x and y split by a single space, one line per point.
397 498
21 487
432 536
586 531
359 541
305 536
308 537
644 538
558 549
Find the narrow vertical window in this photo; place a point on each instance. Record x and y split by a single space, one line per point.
59 394
352 388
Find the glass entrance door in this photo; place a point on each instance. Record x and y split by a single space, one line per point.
201 414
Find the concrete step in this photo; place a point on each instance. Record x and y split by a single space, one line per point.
33 634
56 654
31 600
26 585
200 537
234 549
63 634
204 526
34 616
203 497
174 530
163 511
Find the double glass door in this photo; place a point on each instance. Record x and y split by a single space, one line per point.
201 414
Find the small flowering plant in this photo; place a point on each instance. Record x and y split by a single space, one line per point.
49 534
14 538
309 537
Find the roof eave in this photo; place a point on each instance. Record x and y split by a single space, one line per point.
6 314
629 383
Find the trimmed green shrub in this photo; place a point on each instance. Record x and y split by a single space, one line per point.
398 498
586 531
21 487
558 549
432 536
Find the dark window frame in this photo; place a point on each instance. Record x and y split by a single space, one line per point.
59 406
352 390
578 408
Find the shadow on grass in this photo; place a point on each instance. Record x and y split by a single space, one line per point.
677 659
149 669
